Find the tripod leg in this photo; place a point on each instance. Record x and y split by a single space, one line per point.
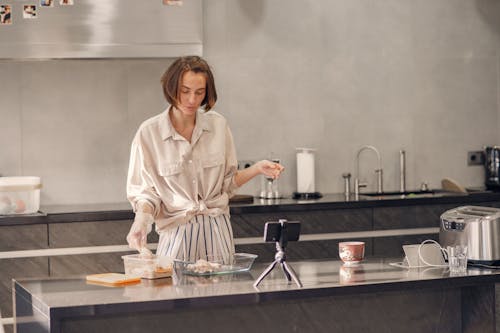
285 271
291 272
265 273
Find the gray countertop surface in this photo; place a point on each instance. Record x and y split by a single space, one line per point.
73 296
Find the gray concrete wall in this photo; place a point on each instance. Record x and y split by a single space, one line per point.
333 75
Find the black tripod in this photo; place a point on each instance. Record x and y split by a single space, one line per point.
280 257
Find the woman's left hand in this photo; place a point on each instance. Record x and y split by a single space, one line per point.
269 169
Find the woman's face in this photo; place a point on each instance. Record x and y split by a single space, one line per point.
192 91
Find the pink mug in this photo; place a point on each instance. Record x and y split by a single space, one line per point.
351 253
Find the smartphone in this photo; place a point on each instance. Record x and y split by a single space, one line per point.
273 230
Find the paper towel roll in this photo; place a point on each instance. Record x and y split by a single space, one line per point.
305 170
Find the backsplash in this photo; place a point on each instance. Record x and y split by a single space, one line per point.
332 75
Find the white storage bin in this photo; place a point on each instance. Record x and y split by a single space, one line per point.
19 195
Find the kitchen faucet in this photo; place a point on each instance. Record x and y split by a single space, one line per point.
402 171
347 184
357 184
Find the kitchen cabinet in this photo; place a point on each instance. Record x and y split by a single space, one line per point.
404 217
88 234
14 238
312 222
104 29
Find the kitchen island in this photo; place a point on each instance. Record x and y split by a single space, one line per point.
83 239
371 297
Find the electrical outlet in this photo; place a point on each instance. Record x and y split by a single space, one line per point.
243 164
475 158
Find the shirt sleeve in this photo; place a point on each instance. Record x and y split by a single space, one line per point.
229 185
140 184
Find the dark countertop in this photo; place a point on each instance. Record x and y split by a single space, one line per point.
74 297
123 211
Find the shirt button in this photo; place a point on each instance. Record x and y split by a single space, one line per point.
190 161
194 181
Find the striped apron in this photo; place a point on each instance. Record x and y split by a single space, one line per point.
203 237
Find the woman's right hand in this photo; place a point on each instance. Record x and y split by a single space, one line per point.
137 236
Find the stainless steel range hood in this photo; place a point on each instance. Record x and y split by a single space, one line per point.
104 29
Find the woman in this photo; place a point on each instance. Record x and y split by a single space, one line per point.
183 170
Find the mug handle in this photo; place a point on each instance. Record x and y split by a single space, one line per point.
444 252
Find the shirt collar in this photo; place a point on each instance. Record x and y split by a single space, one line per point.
202 121
167 130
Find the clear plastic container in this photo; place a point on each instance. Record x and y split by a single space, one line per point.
147 268
19 195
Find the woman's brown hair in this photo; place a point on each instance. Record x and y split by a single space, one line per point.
172 77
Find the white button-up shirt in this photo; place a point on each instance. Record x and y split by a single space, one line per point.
181 179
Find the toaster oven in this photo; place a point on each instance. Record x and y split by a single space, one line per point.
476 227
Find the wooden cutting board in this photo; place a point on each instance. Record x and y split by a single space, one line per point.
241 198
112 279
451 185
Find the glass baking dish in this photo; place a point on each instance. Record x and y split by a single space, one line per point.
240 262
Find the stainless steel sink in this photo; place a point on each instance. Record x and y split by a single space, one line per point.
407 195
